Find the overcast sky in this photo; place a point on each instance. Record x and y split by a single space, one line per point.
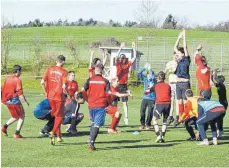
197 12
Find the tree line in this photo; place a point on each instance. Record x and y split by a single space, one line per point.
170 22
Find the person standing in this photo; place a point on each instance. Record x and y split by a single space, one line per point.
11 93
54 84
182 72
147 76
96 89
123 66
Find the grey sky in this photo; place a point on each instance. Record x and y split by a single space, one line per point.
197 12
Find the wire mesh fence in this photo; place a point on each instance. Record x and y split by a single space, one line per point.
157 51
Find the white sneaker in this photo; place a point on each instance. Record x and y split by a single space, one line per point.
214 141
126 121
220 133
158 139
204 143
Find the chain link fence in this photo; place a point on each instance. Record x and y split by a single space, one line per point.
157 51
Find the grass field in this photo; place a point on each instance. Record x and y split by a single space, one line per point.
89 34
122 150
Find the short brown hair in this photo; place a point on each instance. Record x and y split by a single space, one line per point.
61 58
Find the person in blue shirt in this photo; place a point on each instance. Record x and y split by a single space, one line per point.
182 72
147 76
72 116
209 111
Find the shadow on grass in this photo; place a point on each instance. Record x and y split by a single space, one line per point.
223 143
107 142
224 138
139 146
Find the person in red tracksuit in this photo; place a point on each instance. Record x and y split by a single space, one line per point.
163 105
202 73
11 93
96 89
71 103
54 84
112 108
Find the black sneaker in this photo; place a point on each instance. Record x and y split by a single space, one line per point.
176 124
91 146
162 140
191 139
170 120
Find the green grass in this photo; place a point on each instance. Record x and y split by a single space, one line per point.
122 150
89 34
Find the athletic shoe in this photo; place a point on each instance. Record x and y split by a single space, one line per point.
91 146
147 127
112 131
158 139
52 138
142 127
203 143
126 121
176 124
59 139
74 132
170 120
4 131
162 139
214 141
68 130
219 133
191 139
17 136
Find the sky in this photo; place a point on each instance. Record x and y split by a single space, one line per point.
196 12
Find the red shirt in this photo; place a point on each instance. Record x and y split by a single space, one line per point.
163 93
55 77
122 72
72 87
97 88
202 74
12 87
91 72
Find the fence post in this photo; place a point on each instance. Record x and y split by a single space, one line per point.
23 55
221 57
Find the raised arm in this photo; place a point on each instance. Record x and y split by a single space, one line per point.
197 58
91 57
118 53
105 53
177 42
134 52
185 44
214 77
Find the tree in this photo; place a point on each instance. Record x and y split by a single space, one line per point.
169 23
6 33
37 23
38 60
71 45
182 23
146 14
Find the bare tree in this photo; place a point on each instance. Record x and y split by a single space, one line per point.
183 23
6 33
71 45
38 60
146 14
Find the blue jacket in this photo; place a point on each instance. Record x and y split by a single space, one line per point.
204 107
152 80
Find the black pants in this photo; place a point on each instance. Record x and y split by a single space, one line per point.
150 104
219 122
188 125
49 126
